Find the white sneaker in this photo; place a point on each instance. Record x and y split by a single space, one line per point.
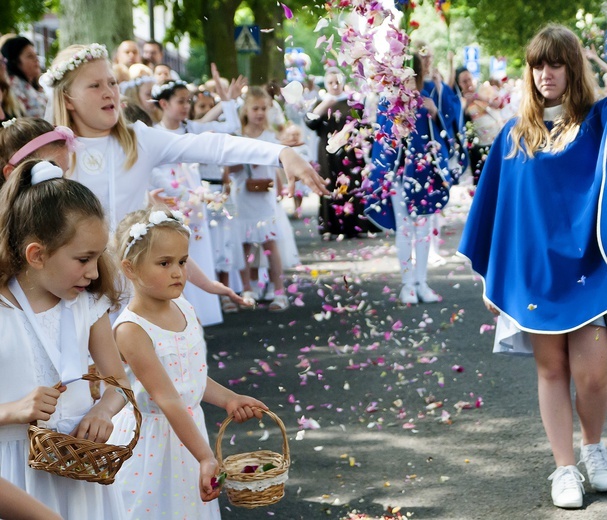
567 487
408 295
269 294
425 294
594 456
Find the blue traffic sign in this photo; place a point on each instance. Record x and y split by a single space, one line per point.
247 39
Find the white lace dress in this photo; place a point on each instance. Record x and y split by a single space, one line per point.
25 365
161 479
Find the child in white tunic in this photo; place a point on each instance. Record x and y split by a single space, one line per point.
162 342
55 291
182 181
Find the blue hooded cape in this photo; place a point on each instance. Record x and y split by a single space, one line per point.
535 231
419 182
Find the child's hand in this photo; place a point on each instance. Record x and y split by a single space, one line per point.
243 408
208 470
96 425
157 199
239 300
296 167
38 405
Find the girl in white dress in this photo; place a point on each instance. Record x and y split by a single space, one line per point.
182 181
162 342
56 287
256 210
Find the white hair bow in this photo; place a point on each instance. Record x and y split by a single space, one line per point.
45 171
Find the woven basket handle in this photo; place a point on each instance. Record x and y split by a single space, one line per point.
285 442
110 380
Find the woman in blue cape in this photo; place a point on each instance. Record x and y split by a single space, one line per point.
534 233
410 182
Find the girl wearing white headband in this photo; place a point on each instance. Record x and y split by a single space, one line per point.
56 286
163 345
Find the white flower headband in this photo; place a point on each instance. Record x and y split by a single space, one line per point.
54 74
140 229
137 82
157 90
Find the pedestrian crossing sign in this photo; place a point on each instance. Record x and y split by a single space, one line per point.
247 39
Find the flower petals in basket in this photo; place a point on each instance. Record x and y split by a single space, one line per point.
255 488
81 459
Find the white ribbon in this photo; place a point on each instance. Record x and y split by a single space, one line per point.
66 358
45 171
257 485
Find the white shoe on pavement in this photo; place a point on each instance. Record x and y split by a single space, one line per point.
425 294
567 487
594 457
408 295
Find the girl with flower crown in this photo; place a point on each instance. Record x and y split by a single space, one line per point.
162 344
115 160
56 286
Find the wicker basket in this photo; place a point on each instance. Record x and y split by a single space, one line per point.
252 490
81 459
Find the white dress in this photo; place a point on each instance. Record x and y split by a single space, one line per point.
161 479
25 365
256 212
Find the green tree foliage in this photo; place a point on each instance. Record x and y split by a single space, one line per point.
505 28
18 13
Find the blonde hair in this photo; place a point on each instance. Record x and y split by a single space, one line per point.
553 44
139 249
136 70
253 93
124 135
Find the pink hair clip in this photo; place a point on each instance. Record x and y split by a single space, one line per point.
61 133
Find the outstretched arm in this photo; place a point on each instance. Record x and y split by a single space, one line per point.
202 281
16 504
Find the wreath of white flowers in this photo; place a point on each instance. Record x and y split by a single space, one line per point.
137 82
140 229
157 90
54 74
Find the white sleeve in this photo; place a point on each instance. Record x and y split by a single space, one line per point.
231 125
161 147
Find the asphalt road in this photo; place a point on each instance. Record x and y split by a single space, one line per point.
387 407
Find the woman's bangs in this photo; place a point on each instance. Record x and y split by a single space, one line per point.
548 50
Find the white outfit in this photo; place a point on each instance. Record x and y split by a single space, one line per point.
100 164
412 234
207 305
24 365
256 212
161 479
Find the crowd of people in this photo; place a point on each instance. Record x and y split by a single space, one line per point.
121 163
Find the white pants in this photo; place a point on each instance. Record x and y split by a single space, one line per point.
413 234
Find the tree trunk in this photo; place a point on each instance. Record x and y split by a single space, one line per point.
217 19
269 65
101 21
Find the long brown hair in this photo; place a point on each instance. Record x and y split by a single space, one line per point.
47 212
553 44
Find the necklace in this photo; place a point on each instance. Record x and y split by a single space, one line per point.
93 159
